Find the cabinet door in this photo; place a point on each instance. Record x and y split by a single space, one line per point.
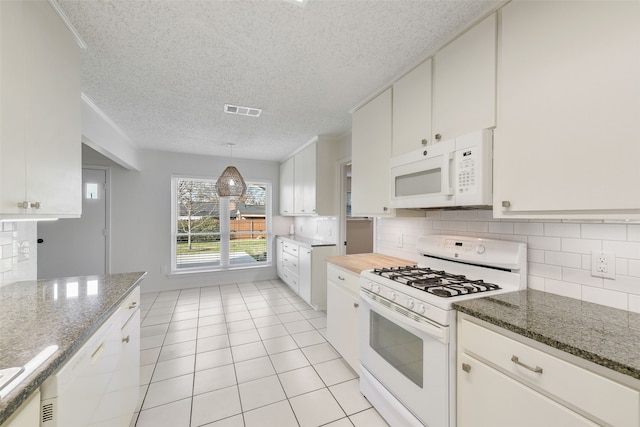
279 249
12 108
486 397
130 373
287 187
342 323
305 181
304 274
412 110
52 134
370 153
28 414
464 91
569 101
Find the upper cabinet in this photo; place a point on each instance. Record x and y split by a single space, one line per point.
287 186
370 153
412 110
40 145
464 82
309 180
567 140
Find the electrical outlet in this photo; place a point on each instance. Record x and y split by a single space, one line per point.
603 264
399 241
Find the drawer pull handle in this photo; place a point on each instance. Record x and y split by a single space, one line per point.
126 339
340 277
356 305
133 305
537 369
466 367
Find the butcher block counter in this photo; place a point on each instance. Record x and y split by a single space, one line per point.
357 263
343 299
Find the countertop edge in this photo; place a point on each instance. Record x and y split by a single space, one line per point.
304 241
17 397
553 343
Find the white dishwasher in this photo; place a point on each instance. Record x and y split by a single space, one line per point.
85 391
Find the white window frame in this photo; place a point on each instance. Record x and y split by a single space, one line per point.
224 257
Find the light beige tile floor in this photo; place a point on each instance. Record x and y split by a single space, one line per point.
246 355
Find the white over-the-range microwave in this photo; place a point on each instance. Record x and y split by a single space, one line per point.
450 173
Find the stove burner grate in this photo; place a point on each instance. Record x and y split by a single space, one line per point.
439 283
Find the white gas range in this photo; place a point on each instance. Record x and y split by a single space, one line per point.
407 345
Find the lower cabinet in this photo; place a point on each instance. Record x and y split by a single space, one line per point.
503 381
342 313
99 384
28 414
304 270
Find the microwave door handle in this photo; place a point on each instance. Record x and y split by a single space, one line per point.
446 165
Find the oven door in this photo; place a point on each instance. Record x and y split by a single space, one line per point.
408 356
423 178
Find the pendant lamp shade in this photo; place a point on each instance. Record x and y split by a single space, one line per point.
231 183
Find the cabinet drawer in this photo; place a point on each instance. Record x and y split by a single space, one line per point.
129 306
575 385
290 278
290 248
290 262
349 281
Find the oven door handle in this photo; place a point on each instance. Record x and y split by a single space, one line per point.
440 333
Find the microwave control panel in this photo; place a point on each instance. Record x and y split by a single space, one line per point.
466 170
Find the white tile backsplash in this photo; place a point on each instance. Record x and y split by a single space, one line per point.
323 228
559 252
18 260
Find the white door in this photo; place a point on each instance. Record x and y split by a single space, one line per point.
77 247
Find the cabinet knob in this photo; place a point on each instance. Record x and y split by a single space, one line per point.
424 141
340 278
384 208
506 204
356 305
133 305
126 339
466 367
438 137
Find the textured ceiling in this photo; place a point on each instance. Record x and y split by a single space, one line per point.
163 70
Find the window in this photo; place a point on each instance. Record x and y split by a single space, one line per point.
213 233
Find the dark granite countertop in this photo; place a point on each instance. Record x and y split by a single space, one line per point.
63 312
603 335
304 241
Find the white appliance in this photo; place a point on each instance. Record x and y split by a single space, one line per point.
407 342
455 172
84 392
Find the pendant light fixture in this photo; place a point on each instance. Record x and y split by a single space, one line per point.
231 183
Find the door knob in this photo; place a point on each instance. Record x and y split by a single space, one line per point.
40 240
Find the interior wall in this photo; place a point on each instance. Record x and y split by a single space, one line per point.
18 253
559 252
141 217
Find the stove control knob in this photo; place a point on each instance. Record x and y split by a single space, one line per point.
410 304
376 289
421 309
392 296
480 249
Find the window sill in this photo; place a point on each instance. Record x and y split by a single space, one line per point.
198 271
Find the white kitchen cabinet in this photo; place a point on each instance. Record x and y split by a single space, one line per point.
287 187
342 313
503 380
566 144
304 270
305 181
309 180
412 110
371 134
279 249
304 274
289 263
40 147
28 414
130 353
464 82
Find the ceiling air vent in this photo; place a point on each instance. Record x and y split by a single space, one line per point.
242 111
